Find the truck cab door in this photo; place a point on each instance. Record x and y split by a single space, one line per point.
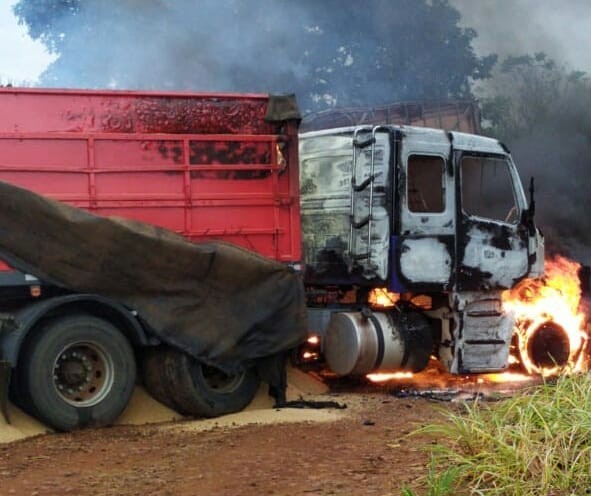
492 242
424 231
491 255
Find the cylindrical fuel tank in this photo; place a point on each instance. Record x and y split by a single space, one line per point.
358 343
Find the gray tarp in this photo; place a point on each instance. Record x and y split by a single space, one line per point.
219 303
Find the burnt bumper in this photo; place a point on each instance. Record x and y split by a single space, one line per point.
5 370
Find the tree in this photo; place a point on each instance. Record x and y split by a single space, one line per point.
531 91
329 52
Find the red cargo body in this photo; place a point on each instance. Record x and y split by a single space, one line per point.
208 166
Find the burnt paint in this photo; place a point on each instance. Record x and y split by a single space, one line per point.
208 153
330 268
171 150
229 152
220 153
399 283
400 190
469 278
395 168
187 115
175 115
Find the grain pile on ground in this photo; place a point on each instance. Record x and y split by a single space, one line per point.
143 409
20 427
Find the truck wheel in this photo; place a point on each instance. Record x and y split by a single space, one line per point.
77 371
156 377
206 391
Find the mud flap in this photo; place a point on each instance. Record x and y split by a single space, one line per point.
5 370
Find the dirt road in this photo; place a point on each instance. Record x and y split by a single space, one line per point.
361 450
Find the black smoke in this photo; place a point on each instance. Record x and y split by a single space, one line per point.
559 158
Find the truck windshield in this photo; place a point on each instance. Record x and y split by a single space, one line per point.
487 189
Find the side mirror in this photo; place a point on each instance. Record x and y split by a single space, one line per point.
527 217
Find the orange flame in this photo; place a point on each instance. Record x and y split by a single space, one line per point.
381 297
553 299
389 376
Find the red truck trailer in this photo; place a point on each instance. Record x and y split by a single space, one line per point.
206 166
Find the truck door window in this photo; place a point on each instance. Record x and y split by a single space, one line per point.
426 184
487 189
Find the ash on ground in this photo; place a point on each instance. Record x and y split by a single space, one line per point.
435 384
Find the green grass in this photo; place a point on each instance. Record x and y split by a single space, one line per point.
536 443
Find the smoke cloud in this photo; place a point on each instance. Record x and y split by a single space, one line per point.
511 27
163 44
328 53
559 158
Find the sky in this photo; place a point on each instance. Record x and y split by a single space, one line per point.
504 26
21 58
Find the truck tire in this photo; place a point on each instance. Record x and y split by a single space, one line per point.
77 371
192 388
207 391
156 377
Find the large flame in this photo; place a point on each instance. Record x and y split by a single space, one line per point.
550 305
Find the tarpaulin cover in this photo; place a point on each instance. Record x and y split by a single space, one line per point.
219 303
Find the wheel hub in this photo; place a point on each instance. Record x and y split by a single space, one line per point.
82 374
218 380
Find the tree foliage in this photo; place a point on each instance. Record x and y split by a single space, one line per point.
529 92
329 52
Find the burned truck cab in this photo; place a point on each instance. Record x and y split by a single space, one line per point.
436 221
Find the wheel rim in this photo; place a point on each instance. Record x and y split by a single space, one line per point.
219 381
83 374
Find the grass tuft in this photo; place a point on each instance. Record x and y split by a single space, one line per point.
535 443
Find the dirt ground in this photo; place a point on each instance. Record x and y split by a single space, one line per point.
362 453
361 450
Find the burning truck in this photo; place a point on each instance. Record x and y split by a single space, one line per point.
435 222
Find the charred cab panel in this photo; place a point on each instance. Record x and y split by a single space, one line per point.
345 184
492 240
423 240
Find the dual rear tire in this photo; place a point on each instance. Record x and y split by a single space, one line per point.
193 388
80 370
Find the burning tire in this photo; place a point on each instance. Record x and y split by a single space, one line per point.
192 388
77 371
545 348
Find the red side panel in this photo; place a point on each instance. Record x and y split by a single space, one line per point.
207 166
